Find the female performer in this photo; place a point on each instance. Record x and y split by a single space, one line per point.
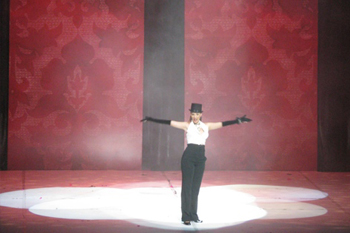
193 158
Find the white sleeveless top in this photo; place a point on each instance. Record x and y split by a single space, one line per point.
197 134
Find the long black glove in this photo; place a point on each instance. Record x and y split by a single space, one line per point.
238 120
160 121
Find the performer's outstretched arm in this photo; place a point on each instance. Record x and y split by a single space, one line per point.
218 125
175 124
160 121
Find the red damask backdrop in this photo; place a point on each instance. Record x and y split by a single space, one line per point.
76 81
76 71
255 57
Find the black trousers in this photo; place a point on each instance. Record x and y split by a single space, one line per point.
192 167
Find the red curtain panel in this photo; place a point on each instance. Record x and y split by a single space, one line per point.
257 58
75 84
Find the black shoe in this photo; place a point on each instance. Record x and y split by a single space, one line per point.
188 223
198 221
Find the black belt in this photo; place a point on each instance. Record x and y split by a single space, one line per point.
192 144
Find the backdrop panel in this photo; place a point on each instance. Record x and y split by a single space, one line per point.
75 84
257 58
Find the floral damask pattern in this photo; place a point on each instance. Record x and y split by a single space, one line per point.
75 84
255 57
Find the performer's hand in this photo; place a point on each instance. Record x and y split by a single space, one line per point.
243 119
145 119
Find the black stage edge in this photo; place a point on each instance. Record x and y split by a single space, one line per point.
163 98
334 86
4 80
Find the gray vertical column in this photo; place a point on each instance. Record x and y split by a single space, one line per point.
163 98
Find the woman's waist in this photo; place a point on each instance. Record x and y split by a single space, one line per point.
196 140
195 145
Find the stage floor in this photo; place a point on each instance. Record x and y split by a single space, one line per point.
149 201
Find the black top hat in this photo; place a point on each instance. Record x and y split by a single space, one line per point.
196 108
